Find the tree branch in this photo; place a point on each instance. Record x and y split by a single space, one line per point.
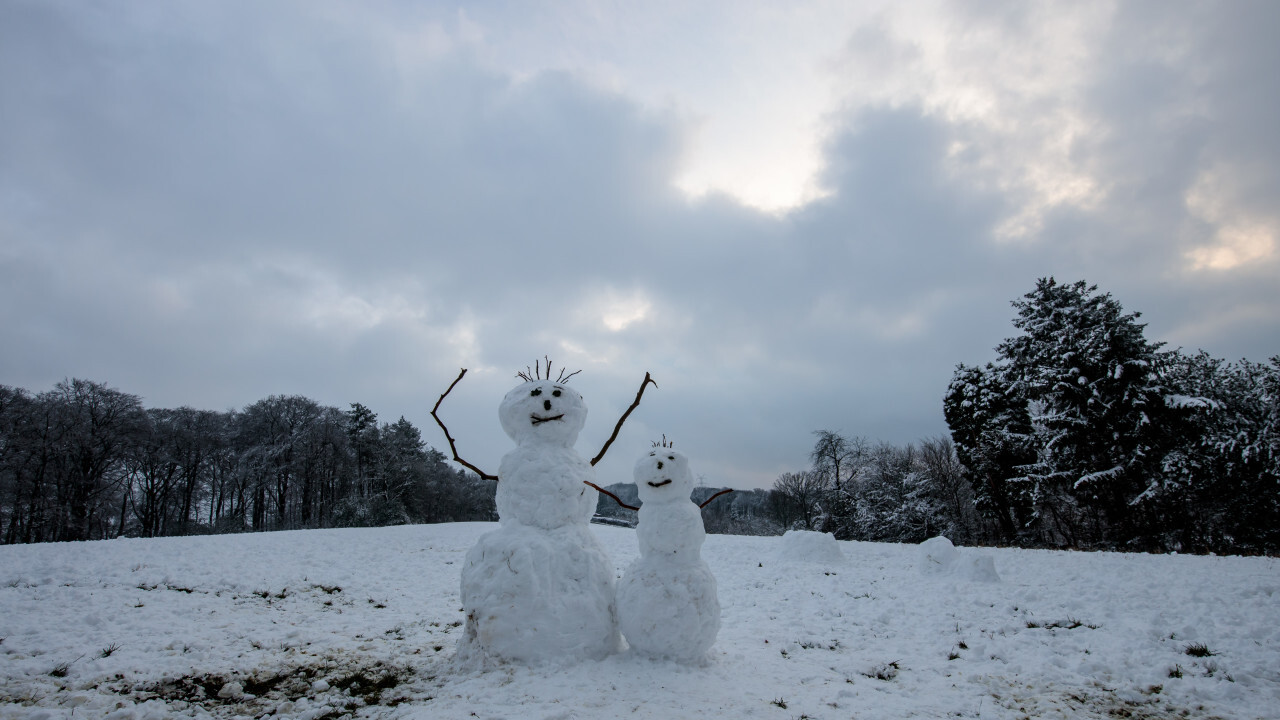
615 497
713 497
453 446
623 419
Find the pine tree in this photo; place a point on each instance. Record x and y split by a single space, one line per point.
991 430
1089 379
1219 483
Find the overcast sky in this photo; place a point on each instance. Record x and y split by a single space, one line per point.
795 215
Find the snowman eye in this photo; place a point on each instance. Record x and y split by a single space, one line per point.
555 393
671 457
536 392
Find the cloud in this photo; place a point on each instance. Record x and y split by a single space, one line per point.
206 205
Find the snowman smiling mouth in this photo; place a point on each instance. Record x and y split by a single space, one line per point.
539 420
660 484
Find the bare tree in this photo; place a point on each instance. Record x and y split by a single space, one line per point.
938 461
804 492
834 456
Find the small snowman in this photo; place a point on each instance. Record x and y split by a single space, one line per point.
540 587
667 603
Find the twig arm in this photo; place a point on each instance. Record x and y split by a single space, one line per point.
624 417
615 497
452 445
713 497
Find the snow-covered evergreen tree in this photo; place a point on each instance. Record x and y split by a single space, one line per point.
1089 378
991 429
1219 489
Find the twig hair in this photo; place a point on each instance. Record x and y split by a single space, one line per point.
529 375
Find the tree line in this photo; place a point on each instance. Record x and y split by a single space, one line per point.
1082 434
85 461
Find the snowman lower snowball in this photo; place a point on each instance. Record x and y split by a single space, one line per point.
667 601
540 587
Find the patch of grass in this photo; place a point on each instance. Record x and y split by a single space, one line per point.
1198 650
109 650
363 685
1068 624
811 644
780 702
1175 671
953 655
885 672
962 645
61 669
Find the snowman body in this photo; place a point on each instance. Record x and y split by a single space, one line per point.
667 601
540 587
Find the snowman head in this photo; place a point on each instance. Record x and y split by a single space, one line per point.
543 412
662 475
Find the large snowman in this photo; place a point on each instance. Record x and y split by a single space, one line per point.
540 587
667 602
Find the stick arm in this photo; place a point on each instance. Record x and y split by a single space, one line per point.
625 415
606 492
713 497
452 445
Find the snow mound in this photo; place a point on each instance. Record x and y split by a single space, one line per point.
810 546
978 567
937 556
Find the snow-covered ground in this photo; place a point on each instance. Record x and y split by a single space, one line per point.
328 623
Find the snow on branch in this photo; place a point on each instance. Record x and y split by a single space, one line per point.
1187 402
1101 474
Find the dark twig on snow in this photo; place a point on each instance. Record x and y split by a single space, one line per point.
713 497
615 497
452 445
623 419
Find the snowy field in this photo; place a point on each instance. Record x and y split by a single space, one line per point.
339 623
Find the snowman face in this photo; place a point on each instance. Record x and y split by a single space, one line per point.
663 475
543 412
